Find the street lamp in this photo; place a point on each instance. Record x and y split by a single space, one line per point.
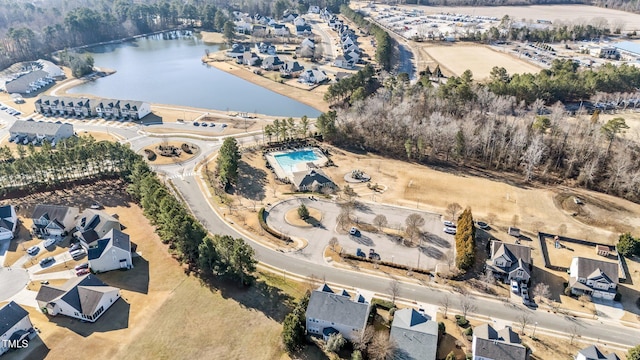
535 325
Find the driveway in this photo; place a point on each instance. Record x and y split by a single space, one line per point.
436 246
608 309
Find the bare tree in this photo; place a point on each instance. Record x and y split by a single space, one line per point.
382 347
414 222
467 304
380 221
538 225
312 282
487 279
362 341
394 290
453 209
523 320
343 220
574 332
333 244
445 303
584 299
541 290
562 229
349 192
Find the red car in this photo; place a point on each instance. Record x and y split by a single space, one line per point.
82 272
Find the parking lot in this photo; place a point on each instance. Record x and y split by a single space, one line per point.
436 246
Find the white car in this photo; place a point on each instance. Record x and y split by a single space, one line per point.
33 250
515 287
354 231
78 254
50 242
449 230
449 224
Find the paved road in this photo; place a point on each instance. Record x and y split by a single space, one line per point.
434 249
488 307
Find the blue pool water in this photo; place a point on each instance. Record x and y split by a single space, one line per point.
288 161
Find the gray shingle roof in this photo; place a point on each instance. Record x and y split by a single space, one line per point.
307 178
81 293
10 315
593 353
587 267
53 212
5 211
21 84
116 237
416 337
513 251
502 345
337 309
37 127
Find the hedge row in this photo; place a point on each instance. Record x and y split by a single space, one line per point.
385 263
263 225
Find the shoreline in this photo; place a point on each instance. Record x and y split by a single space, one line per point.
312 98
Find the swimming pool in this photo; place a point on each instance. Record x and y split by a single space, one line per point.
286 163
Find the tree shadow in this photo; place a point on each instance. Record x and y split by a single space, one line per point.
252 181
436 240
114 318
361 239
269 300
362 207
432 252
136 279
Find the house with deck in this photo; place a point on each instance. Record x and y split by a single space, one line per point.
8 222
15 327
596 278
111 252
312 76
510 262
85 298
53 220
329 312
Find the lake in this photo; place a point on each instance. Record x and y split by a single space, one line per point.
170 72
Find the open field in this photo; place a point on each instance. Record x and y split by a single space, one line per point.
581 14
478 58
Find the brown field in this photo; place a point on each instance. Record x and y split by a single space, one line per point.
457 58
567 251
292 217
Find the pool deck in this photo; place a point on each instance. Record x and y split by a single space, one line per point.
282 173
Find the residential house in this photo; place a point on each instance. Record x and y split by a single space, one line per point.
307 48
308 42
289 17
249 58
266 48
329 313
8 222
489 344
243 27
303 30
344 61
272 62
26 131
53 220
596 278
314 9
134 110
347 41
415 335
593 353
312 76
111 252
85 298
15 326
291 69
510 261
52 69
311 180
93 225
299 21
280 30
106 108
63 105
259 30
28 83
236 51
326 15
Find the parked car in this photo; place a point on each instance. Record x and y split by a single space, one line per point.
204 124
33 250
578 201
78 254
373 255
75 247
354 231
82 266
50 242
82 272
449 224
95 206
449 230
482 225
515 287
195 123
47 261
360 253
525 294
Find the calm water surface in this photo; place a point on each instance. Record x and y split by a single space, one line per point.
170 72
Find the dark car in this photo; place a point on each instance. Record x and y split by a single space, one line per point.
482 225
47 261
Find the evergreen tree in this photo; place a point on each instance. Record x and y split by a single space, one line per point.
227 162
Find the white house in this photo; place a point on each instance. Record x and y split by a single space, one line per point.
593 353
596 278
112 252
510 261
489 344
53 220
308 43
288 17
280 30
39 130
243 27
312 76
8 222
291 68
85 298
92 225
329 313
344 62
311 180
299 21
250 58
15 326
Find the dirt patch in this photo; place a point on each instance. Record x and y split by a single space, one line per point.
594 211
314 219
562 256
178 155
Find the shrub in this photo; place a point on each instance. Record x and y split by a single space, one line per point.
303 212
451 356
567 291
618 297
384 304
265 227
469 331
356 355
392 311
462 321
442 329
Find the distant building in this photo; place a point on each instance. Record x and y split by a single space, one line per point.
314 9
111 252
608 52
53 220
28 83
15 326
312 180
596 278
92 225
628 50
52 69
8 222
26 131
593 353
85 298
86 108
